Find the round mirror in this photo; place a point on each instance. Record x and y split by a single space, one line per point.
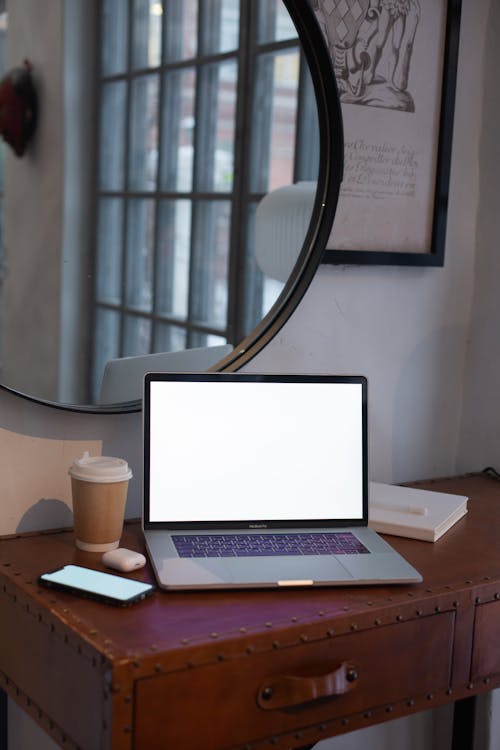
176 198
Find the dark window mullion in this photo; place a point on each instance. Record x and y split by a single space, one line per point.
240 199
162 318
195 182
159 162
282 45
126 201
188 62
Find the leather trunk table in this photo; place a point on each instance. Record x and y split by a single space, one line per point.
252 669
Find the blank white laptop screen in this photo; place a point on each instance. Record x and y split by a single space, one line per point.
222 451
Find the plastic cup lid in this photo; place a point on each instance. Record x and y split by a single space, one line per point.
100 469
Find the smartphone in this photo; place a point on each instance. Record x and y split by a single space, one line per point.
94 584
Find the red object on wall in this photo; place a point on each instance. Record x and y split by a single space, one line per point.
18 107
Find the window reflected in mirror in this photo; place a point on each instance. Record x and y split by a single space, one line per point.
204 108
139 222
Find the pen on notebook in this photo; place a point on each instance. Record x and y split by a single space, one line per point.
417 510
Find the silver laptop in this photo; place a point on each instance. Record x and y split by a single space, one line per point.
260 481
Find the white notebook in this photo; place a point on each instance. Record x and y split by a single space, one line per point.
415 513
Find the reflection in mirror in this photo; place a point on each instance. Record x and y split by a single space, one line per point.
201 109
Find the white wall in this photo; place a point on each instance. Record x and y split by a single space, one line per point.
480 434
33 224
406 328
46 208
424 337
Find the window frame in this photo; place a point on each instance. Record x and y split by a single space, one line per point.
236 324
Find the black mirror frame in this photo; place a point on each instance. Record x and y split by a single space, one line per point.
330 174
325 205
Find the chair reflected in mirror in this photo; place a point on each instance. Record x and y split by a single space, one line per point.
123 378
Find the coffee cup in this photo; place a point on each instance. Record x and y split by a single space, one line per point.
99 486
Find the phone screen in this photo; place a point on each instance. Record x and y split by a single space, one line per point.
98 585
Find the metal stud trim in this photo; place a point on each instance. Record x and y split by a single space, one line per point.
56 732
310 735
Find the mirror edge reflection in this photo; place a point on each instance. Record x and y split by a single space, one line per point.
325 204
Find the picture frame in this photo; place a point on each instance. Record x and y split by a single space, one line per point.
396 76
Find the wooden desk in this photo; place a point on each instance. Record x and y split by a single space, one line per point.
212 670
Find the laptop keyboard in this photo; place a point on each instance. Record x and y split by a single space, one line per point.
265 545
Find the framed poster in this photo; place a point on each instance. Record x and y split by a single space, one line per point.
395 63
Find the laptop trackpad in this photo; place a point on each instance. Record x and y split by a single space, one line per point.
380 567
184 572
271 569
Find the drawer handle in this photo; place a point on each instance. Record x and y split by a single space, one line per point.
286 691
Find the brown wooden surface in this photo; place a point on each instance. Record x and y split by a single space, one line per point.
387 665
199 659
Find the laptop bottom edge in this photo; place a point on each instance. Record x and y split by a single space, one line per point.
177 573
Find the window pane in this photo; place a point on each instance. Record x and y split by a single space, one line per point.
112 136
144 133
220 26
181 29
136 336
216 126
140 246
252 303
106 344
307 147
274 123
109 251
146 37
174 241
261 291
274 22
169 338
178 130
114 36
208 300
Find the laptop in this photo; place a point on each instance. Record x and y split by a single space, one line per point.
260 480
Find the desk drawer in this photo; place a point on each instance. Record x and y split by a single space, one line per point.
486 649
222 705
